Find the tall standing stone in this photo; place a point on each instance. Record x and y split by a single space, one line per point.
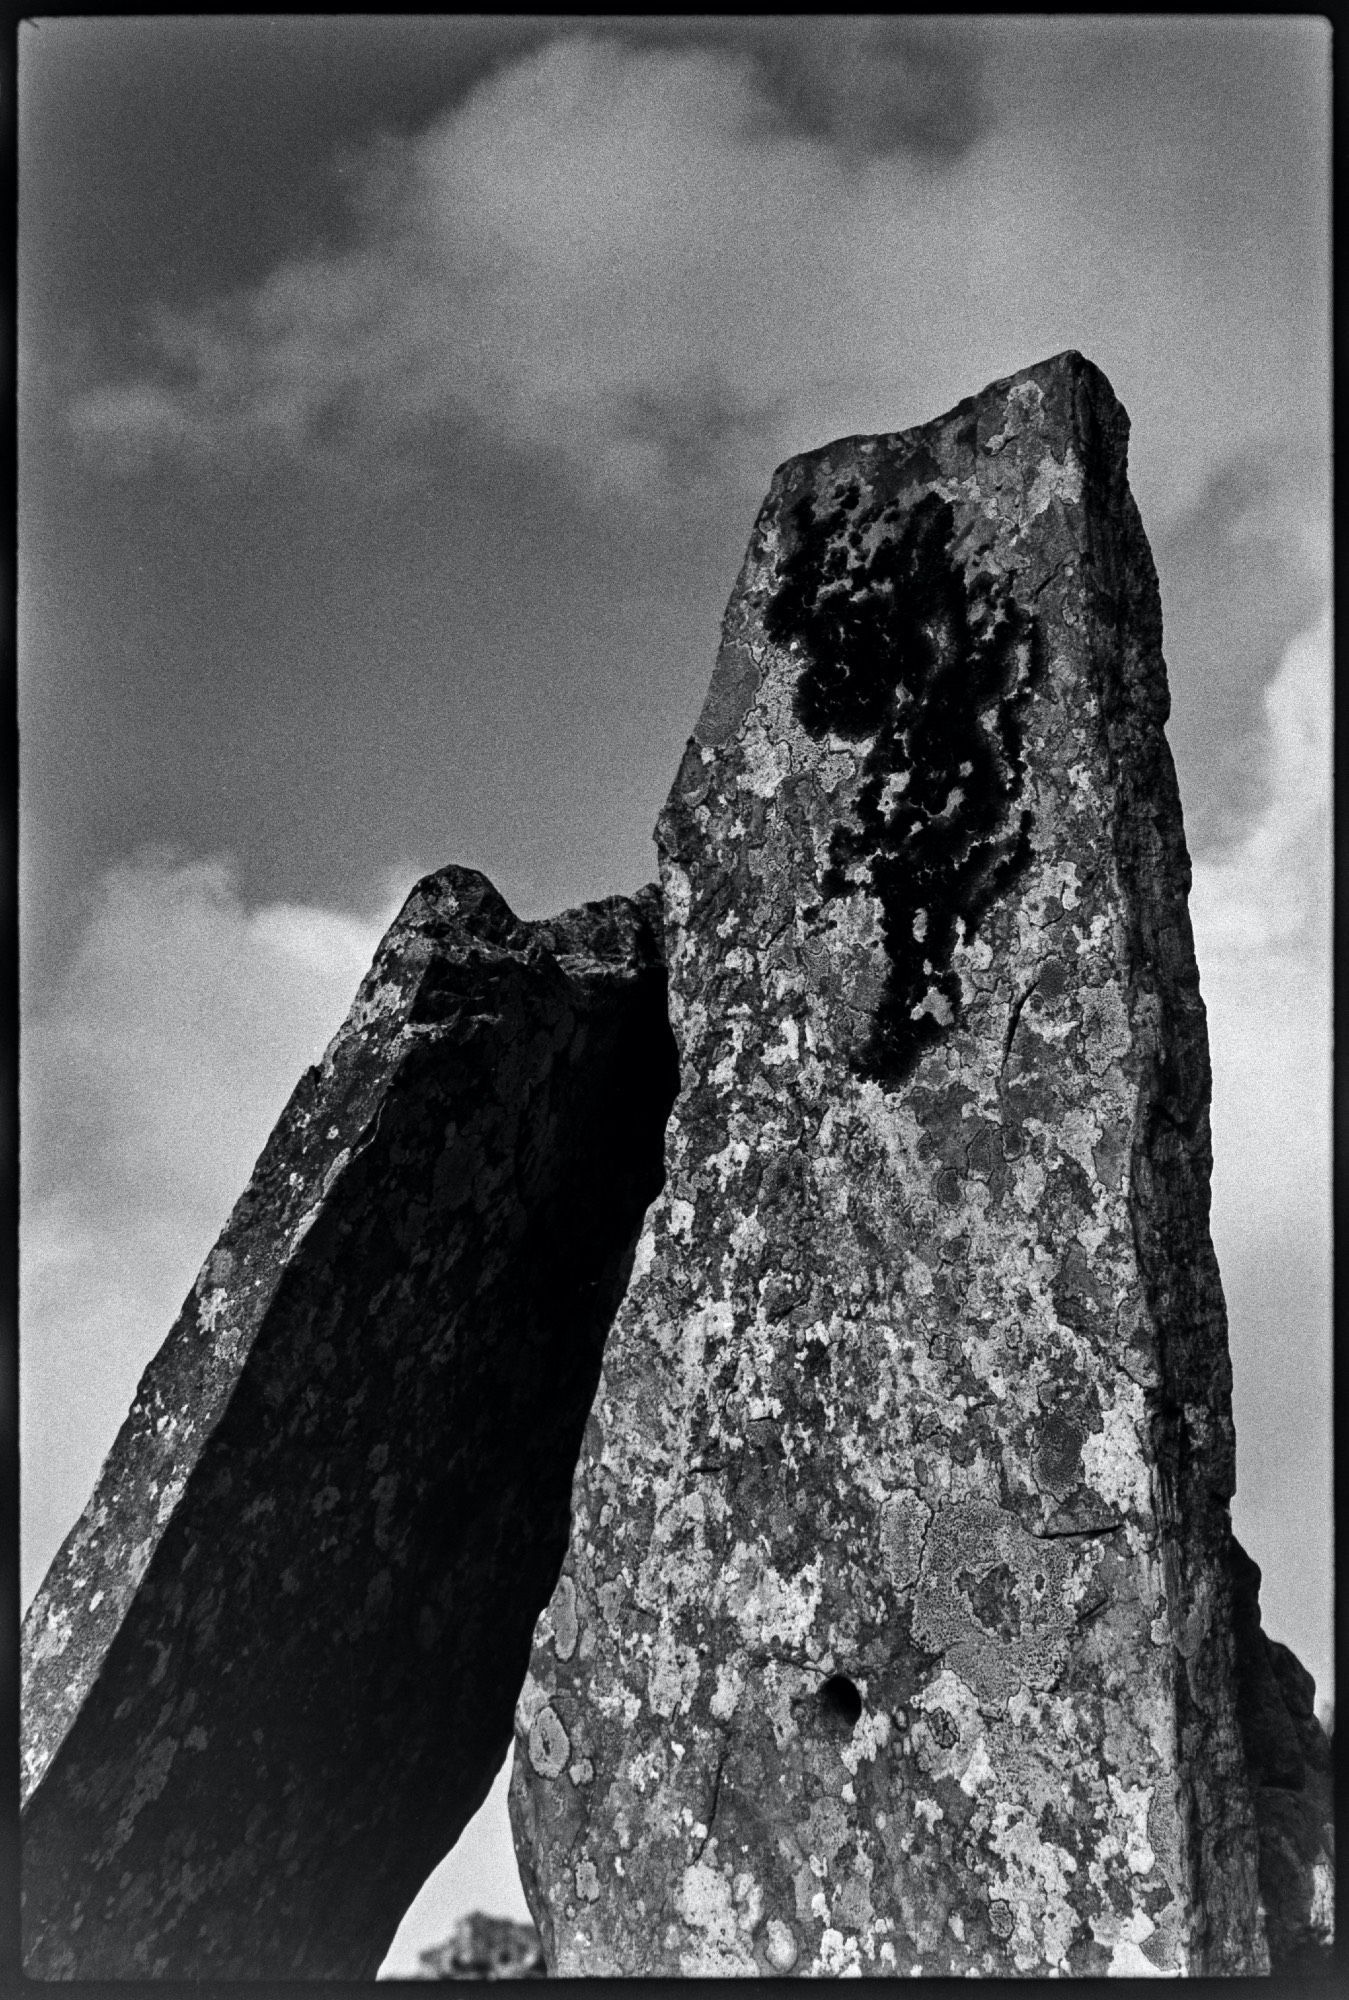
895 1630
270 1674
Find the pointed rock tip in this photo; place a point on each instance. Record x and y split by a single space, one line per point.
1066 366
457 894
1068 361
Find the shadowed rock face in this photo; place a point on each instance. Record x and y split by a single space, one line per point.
1290 1767
270 1674
894 1633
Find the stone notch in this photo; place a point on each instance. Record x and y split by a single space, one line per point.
894 1634
269 1676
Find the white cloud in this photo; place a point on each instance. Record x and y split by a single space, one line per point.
149 1085
1269 896
130 423
1262 921
1242 574
625 257
594 233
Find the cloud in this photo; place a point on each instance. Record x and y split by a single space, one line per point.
130 423
660 264
1243 571
869 84
149 1085
565 259
1261 910
1267 896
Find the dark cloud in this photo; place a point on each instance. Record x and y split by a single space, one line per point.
1239 581
159 153
624 248
869 84
696 429
152 148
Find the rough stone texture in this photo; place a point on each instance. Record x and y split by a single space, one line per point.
1290 1764
270 1674
895 1629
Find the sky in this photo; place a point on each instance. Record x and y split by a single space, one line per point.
396 397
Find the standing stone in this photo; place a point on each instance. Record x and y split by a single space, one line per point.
895 1631
270 1675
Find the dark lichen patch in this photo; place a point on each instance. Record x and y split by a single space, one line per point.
992 1599
943 1728
1057 1459
902 647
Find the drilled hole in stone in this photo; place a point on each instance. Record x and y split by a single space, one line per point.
840 1700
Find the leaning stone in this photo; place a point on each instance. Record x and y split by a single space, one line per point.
895 1630
269 1676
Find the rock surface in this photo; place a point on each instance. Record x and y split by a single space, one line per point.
1290 1766
895 1633
269 1676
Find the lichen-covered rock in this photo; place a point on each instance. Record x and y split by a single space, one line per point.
270 1674
1290 1765
894 1634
